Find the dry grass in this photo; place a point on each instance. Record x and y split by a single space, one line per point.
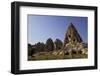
55 57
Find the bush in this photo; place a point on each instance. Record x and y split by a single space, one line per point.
58 44
49 45
40 47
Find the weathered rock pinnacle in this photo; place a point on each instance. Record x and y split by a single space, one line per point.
72 35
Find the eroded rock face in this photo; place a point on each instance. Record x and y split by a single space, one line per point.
78 48
73 42
72 35
72 45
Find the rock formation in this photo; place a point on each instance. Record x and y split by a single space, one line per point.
72 47
72 35
73 42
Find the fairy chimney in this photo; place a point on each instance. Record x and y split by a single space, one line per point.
72 35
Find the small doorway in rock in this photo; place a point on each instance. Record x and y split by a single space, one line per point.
67 53
74 52
80 52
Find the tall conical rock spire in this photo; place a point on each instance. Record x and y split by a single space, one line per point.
72 35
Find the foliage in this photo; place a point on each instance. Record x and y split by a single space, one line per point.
58 44
40 47
31 51
49 46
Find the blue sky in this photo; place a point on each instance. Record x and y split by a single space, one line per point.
42 27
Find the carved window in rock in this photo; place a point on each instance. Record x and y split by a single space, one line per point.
74 40
74 52
67 53
80 52
69 36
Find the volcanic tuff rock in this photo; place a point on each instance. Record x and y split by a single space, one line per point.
73 42
72 35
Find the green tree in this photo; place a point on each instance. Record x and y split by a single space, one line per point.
29 45
31 49
40 47
49 46
58 44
